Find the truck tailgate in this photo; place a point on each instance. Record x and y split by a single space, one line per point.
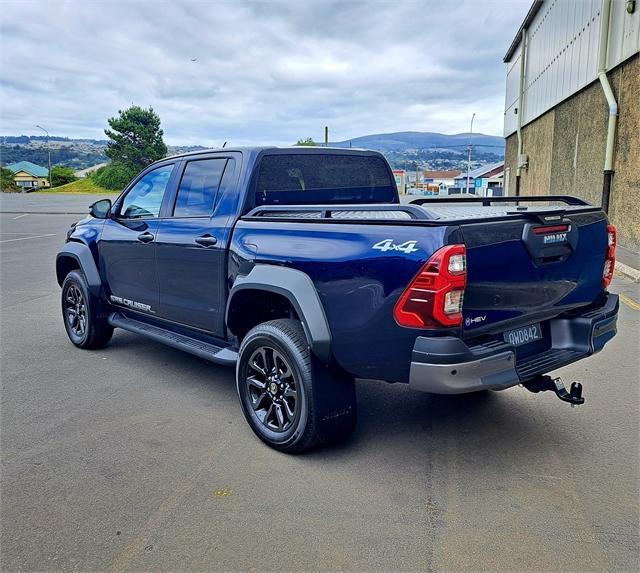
524 271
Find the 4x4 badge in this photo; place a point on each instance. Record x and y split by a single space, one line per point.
388 245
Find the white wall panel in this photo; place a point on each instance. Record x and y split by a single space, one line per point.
624 35
562 54
511 94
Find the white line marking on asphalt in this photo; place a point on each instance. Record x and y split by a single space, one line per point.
20 216
25 238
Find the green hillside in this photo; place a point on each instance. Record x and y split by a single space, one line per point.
79 186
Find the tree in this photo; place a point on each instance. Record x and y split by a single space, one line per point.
135 137
308 142
7 181
61 175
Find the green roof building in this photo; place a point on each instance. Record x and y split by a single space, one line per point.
29 176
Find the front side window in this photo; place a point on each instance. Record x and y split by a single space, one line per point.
199 188
144 199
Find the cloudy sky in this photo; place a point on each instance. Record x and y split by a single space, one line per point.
264 72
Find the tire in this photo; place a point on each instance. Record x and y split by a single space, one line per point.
288 398
86 326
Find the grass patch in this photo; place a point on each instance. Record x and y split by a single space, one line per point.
80 186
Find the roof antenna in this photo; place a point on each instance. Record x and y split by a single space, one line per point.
224 145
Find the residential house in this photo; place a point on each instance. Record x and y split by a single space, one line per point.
400 175
486 180
29 176
441 179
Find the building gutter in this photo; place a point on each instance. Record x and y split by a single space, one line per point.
605 14
523 55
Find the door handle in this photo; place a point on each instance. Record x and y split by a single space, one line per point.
145 237
206 240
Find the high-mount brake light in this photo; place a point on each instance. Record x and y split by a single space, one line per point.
550 229
610 259
434 297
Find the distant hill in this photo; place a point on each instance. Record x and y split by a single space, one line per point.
78 154
405 149
413 140
26 139
414 150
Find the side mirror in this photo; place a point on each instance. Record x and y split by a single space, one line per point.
100 209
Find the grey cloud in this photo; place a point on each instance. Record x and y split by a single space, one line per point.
266 72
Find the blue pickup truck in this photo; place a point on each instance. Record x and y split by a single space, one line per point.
301 268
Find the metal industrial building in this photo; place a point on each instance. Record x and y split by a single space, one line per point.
572 106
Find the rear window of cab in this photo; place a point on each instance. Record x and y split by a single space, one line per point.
303 179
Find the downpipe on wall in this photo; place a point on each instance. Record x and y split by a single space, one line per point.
523 55
605 14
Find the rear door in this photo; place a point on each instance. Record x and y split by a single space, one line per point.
523 271
192 245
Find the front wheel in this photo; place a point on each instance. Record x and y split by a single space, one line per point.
289 400
83 322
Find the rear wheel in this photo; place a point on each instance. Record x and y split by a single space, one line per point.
286 397
85 325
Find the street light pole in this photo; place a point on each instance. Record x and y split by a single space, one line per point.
469 152
49 150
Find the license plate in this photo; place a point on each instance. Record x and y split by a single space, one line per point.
524 335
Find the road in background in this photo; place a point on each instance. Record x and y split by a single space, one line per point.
62 203
137 457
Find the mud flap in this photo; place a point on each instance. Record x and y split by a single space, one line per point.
334 399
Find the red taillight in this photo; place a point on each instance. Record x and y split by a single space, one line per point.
434 297
610 259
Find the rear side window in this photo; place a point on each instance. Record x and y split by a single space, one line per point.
314 179
199 188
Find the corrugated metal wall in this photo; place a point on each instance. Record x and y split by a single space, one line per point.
562 54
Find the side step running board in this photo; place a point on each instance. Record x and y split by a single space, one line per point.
221 355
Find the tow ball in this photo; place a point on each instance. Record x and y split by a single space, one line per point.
545 383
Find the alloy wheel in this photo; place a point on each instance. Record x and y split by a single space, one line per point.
75 311
272 389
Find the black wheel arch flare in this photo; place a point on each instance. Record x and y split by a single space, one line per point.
299 289
82 256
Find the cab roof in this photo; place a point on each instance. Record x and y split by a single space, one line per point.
255 150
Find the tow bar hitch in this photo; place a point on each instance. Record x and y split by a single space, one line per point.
544 383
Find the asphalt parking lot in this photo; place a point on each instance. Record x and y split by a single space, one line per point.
137 457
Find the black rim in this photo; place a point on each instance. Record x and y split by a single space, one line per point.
272 389
75 311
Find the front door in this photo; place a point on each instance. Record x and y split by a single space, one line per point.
127 245
192 246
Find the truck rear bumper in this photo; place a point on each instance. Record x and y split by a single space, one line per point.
447 365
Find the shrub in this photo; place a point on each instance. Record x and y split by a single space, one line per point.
7 181
62 175
115 176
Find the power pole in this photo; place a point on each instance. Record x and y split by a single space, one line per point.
49 150
326 136
469 152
